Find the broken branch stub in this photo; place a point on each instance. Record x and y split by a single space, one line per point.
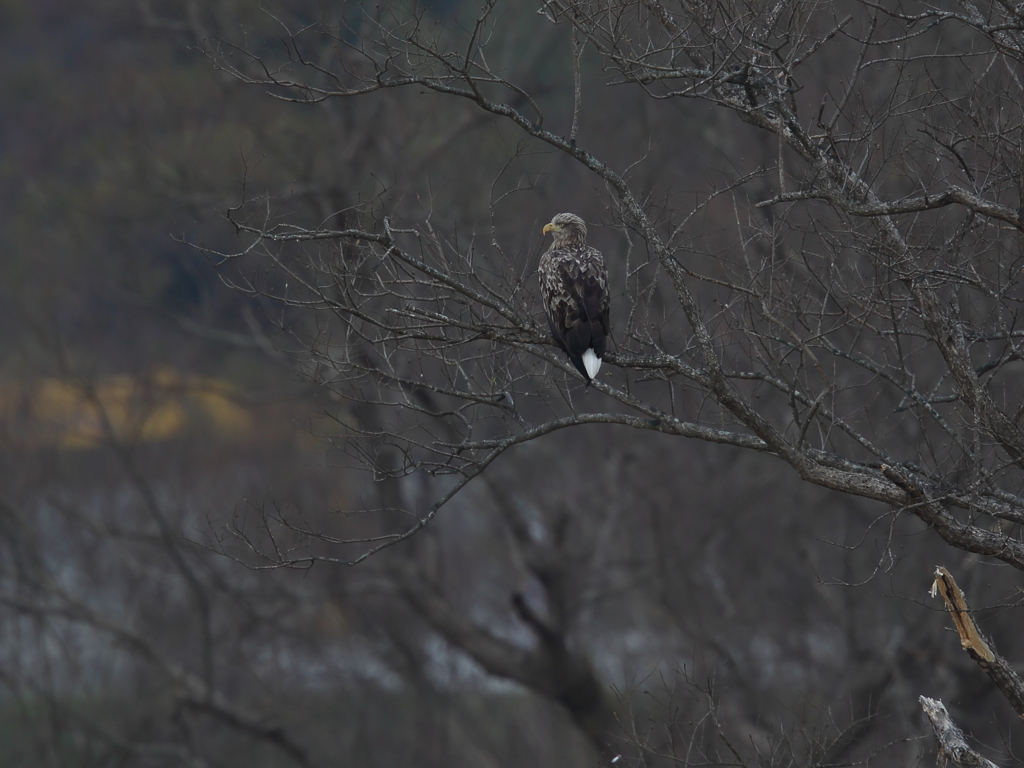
978 647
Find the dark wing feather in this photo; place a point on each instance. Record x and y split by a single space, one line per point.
575 287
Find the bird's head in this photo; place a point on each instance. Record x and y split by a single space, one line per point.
566 228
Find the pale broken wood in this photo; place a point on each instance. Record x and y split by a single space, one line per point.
978 647
970 638
954 751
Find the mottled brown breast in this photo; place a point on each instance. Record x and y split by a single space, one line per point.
574 284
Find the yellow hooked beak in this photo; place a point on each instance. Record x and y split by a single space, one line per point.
550 228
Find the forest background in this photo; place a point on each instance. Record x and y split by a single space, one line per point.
198 431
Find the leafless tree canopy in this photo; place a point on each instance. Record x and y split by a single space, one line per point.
716 554
845 298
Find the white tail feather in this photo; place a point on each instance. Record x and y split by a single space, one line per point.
592 363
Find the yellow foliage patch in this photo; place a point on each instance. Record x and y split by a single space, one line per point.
71 414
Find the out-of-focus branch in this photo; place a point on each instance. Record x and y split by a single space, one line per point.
550 668
192 691
978 647
577 52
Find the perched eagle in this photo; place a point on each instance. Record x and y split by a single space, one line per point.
574 285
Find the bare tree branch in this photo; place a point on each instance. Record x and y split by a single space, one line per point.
978 647
953 748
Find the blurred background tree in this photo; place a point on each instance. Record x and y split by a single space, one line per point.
249 315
